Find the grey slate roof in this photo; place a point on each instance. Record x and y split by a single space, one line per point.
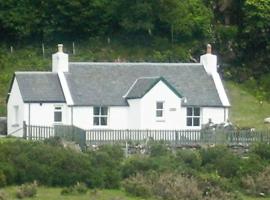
144 84
40 87
141 86
106 83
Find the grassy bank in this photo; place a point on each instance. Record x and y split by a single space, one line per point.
49 193
246 110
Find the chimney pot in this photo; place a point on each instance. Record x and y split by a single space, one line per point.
60 60
60 47
209 49
209 61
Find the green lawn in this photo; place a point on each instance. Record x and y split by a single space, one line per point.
246 110
45 193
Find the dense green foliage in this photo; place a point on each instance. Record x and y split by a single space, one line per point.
53 165
154 31
208 173
238 29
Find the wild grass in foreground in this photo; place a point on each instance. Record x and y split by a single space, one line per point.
50 193
54 193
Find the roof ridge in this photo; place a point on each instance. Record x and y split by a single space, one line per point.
34 72
135 63
148 77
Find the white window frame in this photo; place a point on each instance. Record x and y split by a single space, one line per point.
100 116
160 109
193 117
58 109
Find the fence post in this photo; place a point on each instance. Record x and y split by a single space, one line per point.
176 138
43 50
24 130
30 127
73 48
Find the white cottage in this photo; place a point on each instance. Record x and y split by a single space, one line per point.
107 95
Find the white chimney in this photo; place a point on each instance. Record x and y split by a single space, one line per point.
60 60
209 61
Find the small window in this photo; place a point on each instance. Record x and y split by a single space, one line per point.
193 116
16 115
159 109
58 114
100 116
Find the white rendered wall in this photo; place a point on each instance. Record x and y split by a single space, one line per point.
42 114
15 99
217 115
83 117
134 114
173 115
117 118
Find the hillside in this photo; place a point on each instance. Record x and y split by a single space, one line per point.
246 111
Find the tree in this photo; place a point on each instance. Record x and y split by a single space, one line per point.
186 18
136 16
254 36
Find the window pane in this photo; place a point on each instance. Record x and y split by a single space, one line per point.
159 105
58 108
103 121
104 110
189 121
196 121
96 121
96 110
58 116
189 111
196 111
159 113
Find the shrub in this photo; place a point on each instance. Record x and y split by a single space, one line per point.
3 195
106 161
67 191
138 185
3 181
248 184
262 181
213 180
189 158
216 193
54 141
137 164
251 165
23 162
228 165
78 188
27 190
157 149
220 159
174 187
262 150
257 184
211 155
